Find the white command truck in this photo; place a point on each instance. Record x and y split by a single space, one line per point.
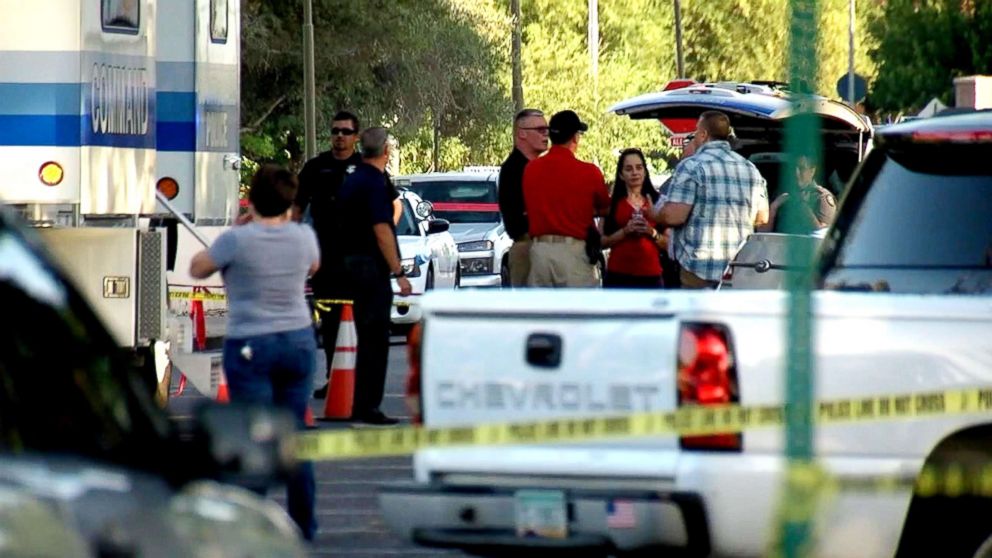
103 103
904 305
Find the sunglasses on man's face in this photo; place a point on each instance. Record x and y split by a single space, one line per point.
342 131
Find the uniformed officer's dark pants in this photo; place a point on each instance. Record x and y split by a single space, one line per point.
330 284
373 295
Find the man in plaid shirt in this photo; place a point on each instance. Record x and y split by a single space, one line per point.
714 201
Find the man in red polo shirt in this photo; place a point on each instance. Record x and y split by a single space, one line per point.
562 195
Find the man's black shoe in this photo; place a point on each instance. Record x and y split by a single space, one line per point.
376 418
320 393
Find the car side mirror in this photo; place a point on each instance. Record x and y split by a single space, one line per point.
424 209
247 445
438 226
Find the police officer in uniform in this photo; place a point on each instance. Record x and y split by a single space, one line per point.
371 255
320 181
813 211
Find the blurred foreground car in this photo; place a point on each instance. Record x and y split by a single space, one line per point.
90 466
470 201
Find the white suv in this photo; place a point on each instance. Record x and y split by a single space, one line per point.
469 200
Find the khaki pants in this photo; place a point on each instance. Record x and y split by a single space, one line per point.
692 281
561 264
519 262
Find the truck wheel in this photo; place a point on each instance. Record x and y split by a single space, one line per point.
955 527
952 525
504 273
985 551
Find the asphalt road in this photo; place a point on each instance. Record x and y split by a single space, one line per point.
347 508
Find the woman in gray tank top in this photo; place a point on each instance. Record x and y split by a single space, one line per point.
269 350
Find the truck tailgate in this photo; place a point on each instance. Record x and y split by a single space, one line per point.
494 357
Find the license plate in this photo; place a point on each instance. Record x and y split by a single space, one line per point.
541 513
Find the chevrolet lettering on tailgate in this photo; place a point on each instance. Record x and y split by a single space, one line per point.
551 396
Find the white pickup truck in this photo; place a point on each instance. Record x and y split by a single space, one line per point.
903 305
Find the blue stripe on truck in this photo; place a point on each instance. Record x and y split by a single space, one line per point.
176 136
50 130
56 114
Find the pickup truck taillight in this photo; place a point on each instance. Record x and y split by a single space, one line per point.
707 376
412 392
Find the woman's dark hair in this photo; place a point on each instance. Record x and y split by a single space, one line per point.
273 190
620 189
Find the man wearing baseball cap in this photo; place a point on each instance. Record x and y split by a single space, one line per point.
562 195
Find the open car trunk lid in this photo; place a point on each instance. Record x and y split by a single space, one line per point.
758 114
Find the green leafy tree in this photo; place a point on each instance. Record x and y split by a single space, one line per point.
636 55
923 45
736 40
833 42
406 64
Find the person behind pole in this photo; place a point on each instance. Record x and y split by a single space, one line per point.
562 195
530 140
628 233
320 180
813 211
269 350
715 200
371 255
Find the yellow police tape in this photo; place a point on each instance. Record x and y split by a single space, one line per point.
196 296
687 421
324 304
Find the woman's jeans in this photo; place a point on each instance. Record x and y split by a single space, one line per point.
277 369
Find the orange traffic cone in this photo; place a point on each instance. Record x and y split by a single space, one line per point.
199 320
222 395
341 382
308 418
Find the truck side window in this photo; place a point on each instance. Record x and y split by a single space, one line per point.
121 16
218 21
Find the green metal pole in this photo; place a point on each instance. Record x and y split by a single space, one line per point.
801 138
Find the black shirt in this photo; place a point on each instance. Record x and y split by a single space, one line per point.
320 180
364 201
511 194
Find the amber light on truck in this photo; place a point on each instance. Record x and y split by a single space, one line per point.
51 173
168 186
707 376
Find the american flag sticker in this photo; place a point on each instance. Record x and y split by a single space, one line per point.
620 514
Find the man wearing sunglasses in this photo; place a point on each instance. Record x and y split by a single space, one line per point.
530 140
320 180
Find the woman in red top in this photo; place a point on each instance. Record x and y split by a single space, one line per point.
628 232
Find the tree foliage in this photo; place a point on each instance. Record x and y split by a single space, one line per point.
437 72
924 44
406 64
